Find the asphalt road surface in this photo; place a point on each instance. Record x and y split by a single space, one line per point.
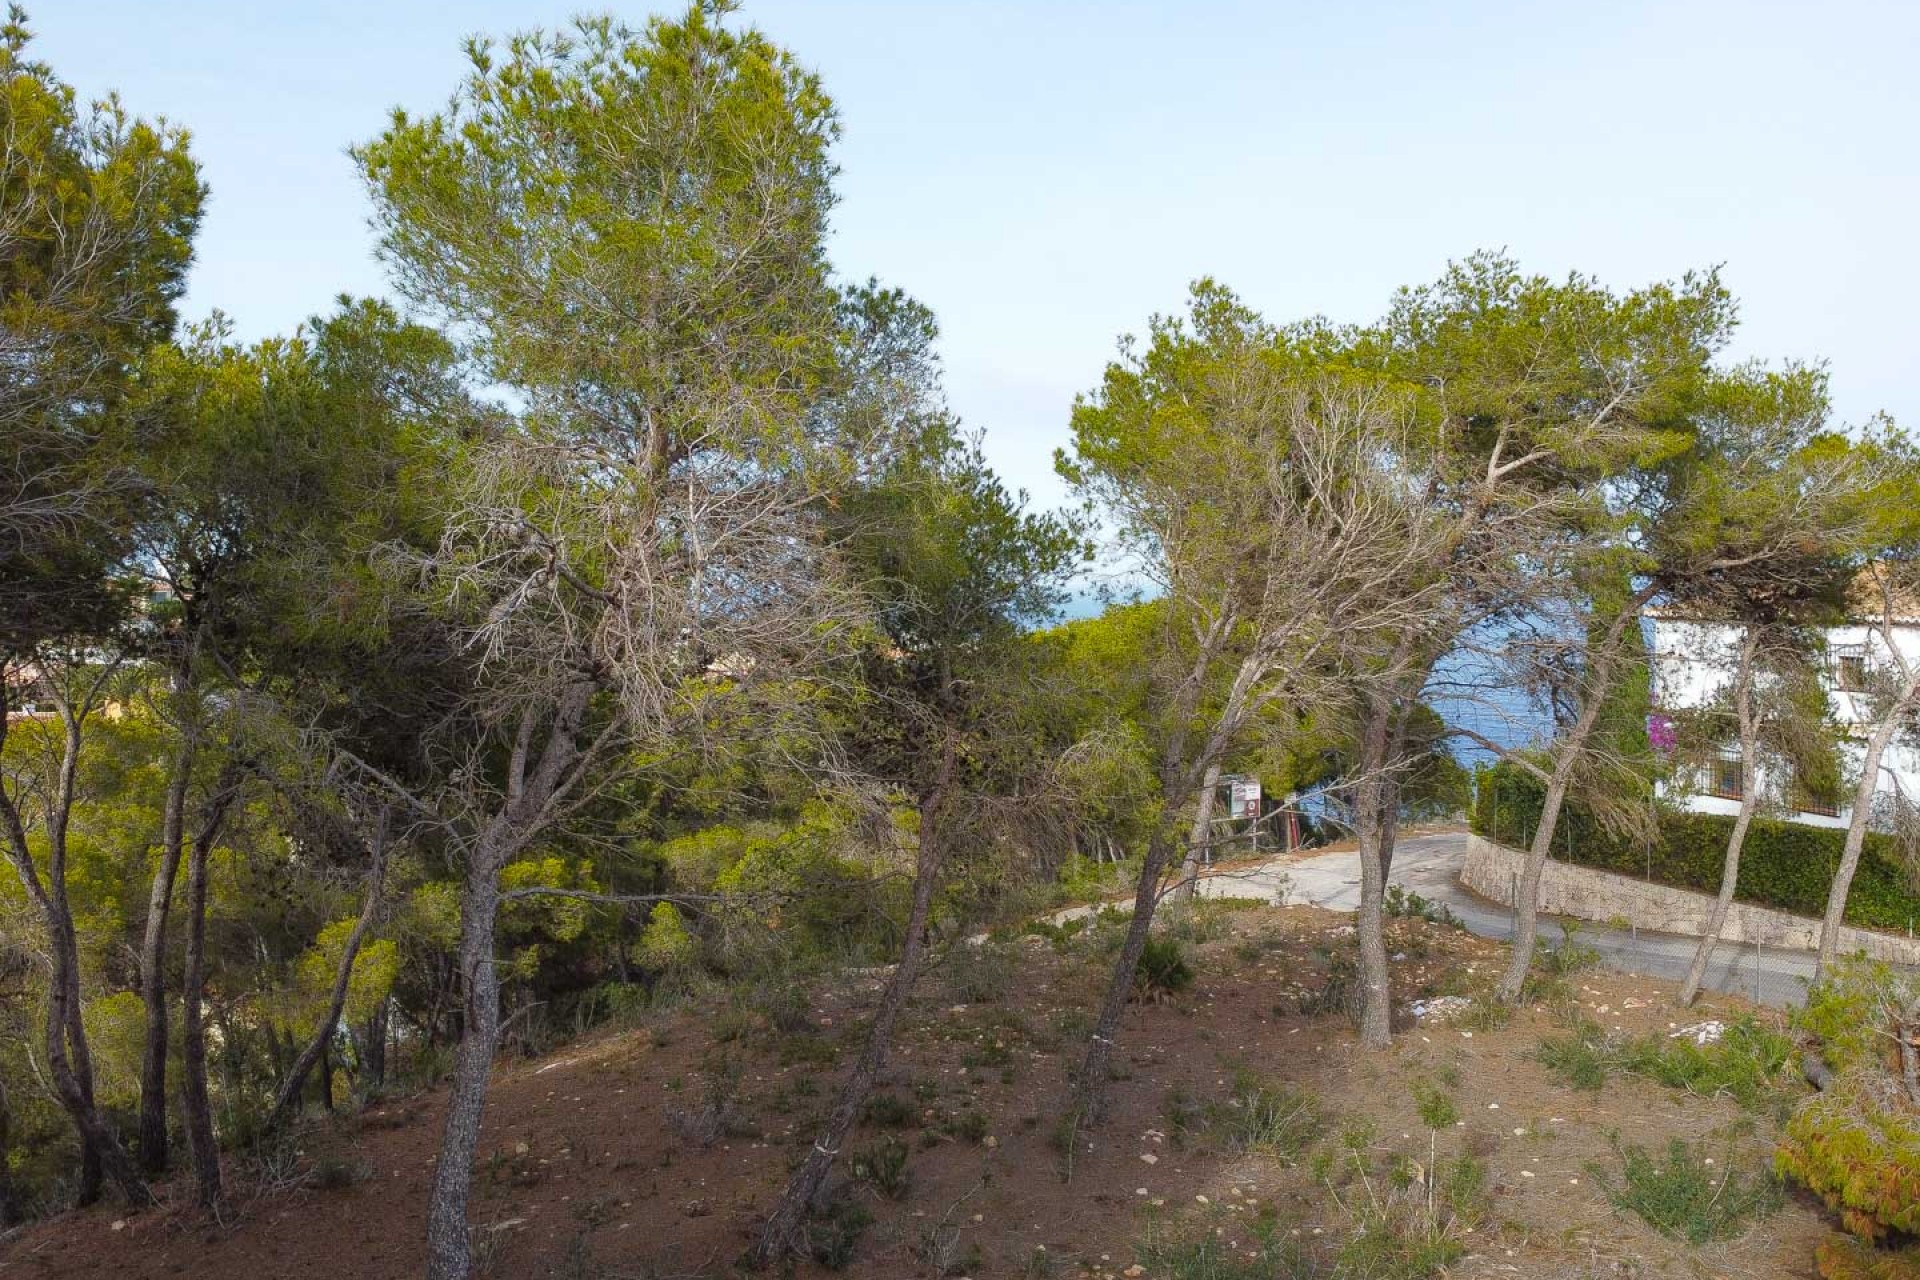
1429 864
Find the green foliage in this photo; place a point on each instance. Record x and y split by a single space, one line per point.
1163 971
116 1026
1852 1013
1580 1057
833 1236
1688 1194
889 1111
1404 904
1749 1063
1784 865
1571 956
1857 1147
1258 1115
1206 1254
883 1167
1437 1109
665 945
979 973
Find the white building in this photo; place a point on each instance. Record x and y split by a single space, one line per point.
1693 663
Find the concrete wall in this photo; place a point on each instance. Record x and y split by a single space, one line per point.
1492 870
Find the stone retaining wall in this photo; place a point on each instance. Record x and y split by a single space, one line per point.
1492 870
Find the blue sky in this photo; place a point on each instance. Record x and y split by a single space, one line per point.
1047 175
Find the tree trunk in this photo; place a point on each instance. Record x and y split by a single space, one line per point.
1527 901
10 1210
377 1046
288 1096
196 1108
1749 801
153 955
1835 918
1199 840
70 1068
781 1239
1376 825
69 1063
449 1255
1090 1081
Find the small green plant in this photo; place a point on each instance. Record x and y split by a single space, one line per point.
1748 1063
884 1168
834 1234
1436 1108
1405 904
1264 1116
1580 1057
337 1173
980 973
1572 955
1163 971
1197 1253
968 1126
1685 1194
888 1111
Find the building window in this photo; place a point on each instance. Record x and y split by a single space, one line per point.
1850 668
1728 777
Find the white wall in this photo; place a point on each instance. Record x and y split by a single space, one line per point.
1693 662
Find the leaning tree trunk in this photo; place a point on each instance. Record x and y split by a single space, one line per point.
196 1108
1527 898
1749 800
449 1250
153 954
1199 841
780 1239
1090 1081
1835 918
288 1096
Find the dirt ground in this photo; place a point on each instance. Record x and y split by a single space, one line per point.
590 1166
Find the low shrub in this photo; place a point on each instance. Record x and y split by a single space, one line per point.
834 1234
980 973
1265 1116
884 1168
1749 1063
1405 904
1201 1253
1853 1013
1857 1147
888 1111
1163 971
1845 1258
1685 1194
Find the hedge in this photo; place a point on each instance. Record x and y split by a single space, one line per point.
1784 865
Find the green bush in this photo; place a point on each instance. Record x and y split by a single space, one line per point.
1687 1195
1748 1063
1265 1116
1163 971
1857 1147
884 1168
1783 865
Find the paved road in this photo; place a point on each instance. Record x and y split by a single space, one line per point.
1430 866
